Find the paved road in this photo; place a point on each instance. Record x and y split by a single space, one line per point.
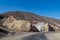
33 36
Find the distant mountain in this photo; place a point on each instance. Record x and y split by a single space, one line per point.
31 17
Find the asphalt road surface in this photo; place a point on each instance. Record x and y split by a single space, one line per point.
33 36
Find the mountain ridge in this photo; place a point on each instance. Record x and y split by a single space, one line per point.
31 16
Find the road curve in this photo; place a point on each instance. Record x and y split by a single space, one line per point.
33 36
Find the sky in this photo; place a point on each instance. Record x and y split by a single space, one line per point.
49 8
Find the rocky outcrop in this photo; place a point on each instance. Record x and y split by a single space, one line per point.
46 27
24 26
32 18
16 25
8 20
41 26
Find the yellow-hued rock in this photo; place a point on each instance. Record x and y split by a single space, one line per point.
17 25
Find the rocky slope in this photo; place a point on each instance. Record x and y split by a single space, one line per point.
33 18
